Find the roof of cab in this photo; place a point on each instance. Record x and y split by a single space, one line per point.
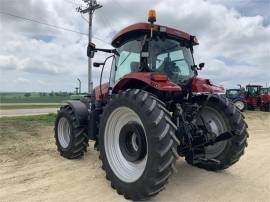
139 27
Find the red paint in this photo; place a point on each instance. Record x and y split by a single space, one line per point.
146 26
200 85
265 99
146 78
252 100
104 89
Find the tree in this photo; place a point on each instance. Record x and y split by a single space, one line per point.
27 94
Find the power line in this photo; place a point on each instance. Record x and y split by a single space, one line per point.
50 25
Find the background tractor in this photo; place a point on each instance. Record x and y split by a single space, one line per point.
252 96
152 110
257 96
237 96
265 99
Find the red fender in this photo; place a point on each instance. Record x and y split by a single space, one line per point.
200 85
145 77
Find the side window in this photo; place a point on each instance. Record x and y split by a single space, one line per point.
160 60
129 59
178 58
125 63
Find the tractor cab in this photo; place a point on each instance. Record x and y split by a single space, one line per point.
253 90
157 49
233 94
265 91
155 57
252 96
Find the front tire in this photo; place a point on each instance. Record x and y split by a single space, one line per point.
221 116
137 144
70 138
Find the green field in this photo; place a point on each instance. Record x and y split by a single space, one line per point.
30 106
34 98
49 118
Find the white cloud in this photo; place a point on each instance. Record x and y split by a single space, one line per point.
235 47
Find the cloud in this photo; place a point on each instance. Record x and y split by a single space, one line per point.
233 43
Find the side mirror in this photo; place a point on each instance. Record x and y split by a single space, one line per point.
91 49
201 66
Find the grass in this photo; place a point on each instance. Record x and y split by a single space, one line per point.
45 99
48 118
19 97
34 106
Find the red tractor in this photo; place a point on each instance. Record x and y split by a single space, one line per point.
265 99
257 96
252 96
153 110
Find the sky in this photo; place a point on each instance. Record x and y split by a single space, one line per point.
234 37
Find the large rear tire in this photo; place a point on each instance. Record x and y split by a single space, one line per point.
70 138
221 116
137 144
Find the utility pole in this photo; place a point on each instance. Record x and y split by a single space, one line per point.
91 7
80 85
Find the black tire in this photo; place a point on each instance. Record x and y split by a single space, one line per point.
234 147
265 107
78 142
160 138
250 107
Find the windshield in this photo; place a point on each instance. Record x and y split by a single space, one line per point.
253 90
166 56
169 57
265 91
233 92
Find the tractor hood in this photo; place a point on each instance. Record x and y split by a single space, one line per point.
200 85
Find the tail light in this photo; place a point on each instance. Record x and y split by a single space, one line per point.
159 77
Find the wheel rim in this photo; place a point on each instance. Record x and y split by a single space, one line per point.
64 132
239 104
126 170
216 123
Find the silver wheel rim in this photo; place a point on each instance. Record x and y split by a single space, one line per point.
125 170
64 132
217 125
239 104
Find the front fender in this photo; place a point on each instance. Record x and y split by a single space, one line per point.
202 86
80 110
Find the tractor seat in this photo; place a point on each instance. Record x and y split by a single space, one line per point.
134 66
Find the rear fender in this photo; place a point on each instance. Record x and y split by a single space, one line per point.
204 86
142 79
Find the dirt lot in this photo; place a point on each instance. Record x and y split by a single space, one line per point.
32 170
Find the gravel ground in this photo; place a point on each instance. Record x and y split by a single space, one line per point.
32 170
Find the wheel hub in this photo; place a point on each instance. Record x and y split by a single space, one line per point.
125 144
64 132
132 142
